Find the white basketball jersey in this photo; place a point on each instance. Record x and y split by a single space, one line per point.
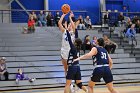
65 43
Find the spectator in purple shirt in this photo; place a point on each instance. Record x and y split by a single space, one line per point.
20 76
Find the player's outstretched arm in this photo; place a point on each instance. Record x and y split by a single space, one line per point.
88 55
60 23
110 62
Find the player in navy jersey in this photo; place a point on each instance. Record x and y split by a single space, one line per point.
73 72
103 67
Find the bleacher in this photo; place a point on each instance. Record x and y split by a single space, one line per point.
38 54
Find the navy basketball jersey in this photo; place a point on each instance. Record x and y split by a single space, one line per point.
73 53
101 56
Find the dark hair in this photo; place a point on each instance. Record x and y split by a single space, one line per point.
78 43
100 42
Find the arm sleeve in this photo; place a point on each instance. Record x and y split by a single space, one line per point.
69 40
73 49
76 33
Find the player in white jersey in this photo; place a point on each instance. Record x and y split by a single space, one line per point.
65 44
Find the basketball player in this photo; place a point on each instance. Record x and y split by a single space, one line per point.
103 68
65 44
73 72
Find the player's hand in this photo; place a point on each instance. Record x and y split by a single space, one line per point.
77 59
71 14
64 14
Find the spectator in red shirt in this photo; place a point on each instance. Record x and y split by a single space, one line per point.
31 25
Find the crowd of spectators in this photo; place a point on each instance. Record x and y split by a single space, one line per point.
87 44
130 21
49 19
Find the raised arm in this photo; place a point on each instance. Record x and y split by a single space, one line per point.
71 21
60 23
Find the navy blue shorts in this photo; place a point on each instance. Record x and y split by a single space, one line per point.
102 72
73 73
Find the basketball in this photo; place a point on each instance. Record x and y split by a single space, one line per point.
65 8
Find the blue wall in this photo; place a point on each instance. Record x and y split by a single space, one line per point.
114 5
132 5
29 5
92 6
89 5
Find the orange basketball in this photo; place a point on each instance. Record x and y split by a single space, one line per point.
65 8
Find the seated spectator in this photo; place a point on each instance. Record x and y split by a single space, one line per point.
34 16
57 18
87 45
110 46
128 24
94 41
135 19
137 26
120 19
81 25
3 69
41 19
50 19
31 26
131 32
88 23
106 18
20 76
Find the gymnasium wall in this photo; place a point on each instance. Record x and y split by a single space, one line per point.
4 15
18 17
89 5
92 6
132 5
114 5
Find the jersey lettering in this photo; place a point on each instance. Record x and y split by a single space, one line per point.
66 38
103 55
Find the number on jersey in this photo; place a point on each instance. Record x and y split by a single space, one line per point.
103 55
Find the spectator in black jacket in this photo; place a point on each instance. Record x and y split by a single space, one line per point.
57 18
120 18
106 18
50 19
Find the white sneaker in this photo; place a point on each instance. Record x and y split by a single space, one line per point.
17 81
76 88
87 91
71 88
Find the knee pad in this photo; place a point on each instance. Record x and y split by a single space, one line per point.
80 85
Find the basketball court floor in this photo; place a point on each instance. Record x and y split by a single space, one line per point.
121 89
